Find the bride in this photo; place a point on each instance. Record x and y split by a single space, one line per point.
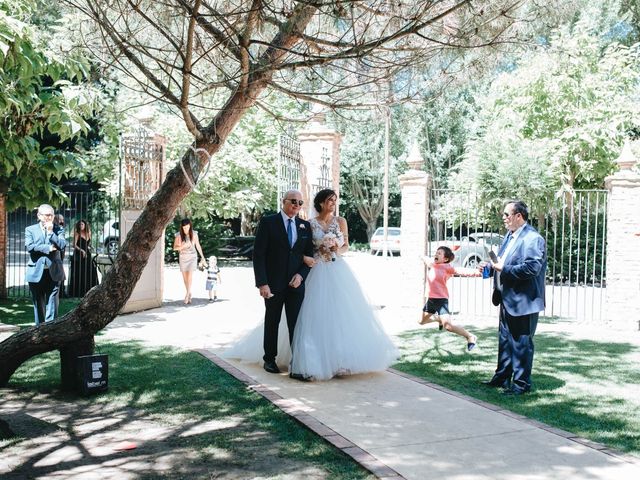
337 332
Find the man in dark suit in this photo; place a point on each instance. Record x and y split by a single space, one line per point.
281 242
44 269
519 290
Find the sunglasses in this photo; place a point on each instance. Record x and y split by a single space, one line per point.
294 201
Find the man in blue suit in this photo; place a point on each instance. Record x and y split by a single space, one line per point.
519 290
44 270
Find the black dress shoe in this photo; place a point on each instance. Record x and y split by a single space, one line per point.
514 391
300 377
271 367
496 383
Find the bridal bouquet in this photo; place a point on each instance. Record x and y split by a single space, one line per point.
329 241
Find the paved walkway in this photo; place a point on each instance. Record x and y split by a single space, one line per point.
395 425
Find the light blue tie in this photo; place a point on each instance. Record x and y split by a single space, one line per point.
290 233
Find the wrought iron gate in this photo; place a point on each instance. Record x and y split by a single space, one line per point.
574 227
324 180
288 166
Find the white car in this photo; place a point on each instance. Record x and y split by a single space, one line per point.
393 240
470 250
110 237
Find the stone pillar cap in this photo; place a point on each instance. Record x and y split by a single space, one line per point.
626 160
415 160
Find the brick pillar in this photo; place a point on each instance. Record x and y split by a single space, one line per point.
623 242
312 142
415 186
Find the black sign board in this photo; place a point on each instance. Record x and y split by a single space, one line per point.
93 373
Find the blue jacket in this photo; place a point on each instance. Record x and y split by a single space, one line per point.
39 248
522 277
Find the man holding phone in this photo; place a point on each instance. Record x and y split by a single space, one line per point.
519 290
44 269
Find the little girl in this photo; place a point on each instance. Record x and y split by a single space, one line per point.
437 307
213 278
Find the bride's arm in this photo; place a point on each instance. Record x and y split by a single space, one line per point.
342 223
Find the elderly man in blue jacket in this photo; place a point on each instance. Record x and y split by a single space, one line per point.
44 269
519 290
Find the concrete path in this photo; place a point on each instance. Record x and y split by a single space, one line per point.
395 425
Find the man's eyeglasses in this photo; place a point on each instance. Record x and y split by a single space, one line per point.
507 214
294 201
45 214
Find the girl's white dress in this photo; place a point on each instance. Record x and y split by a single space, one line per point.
337 331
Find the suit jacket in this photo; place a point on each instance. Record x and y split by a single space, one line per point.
522 277
274 261
38 246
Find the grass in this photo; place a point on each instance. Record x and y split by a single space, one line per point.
177 388
587 387
19 312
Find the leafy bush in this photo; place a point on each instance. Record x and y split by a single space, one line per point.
212 235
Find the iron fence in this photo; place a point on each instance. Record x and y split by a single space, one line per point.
100 212
574 228
289 159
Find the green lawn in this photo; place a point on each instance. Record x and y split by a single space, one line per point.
175 387
589 388
20 311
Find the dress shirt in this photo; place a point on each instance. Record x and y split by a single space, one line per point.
514 237
294 230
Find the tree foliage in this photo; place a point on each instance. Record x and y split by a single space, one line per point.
558 120
362 165
41 95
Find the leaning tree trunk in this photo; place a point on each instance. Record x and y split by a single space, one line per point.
3 240
102 303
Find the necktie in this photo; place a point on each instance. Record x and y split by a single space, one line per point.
290 232
503 248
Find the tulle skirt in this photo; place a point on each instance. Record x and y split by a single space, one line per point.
337 332
250 349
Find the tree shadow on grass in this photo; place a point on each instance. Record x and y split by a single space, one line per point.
192 417
582 386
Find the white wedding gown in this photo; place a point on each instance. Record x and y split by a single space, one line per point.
337 331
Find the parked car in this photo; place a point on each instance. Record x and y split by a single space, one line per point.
470 250
110 237
490 240
393 240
